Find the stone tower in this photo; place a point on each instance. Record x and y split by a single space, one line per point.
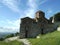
39 15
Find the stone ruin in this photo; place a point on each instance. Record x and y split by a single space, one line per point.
31 28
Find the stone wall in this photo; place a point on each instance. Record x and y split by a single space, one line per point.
30 28
50 28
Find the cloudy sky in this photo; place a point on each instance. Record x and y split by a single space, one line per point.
11 11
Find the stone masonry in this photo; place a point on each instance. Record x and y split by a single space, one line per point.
30 28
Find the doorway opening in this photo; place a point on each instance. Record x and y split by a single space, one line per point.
42 31
26 34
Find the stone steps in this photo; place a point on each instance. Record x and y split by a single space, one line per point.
25 41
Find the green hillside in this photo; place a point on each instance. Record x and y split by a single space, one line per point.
47 39
11 43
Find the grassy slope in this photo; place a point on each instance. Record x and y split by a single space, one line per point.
11 43
48 39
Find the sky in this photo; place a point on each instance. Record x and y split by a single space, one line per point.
11 12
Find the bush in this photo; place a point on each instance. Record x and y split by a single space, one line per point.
56 17
11 35
1 39
16 34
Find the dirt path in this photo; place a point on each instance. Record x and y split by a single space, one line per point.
25 41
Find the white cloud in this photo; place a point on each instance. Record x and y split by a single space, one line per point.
33 5
49 11
10 26
42 2
12 4
13 24
4 29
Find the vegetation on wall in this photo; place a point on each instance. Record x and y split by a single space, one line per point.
56 17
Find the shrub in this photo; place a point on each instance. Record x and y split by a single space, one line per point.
1 39
11 35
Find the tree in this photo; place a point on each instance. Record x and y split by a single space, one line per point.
1 39
17 33
11 35
56 17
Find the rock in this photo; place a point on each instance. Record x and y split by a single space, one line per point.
38 37
58 29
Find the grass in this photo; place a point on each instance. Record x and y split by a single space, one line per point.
11 43
47 39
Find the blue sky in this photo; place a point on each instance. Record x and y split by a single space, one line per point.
11 11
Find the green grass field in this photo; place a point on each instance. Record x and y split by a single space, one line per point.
11 43
47 39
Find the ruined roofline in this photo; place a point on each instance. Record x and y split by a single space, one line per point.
40 12
34 19
26 18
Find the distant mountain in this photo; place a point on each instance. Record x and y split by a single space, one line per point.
3 29
3 34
